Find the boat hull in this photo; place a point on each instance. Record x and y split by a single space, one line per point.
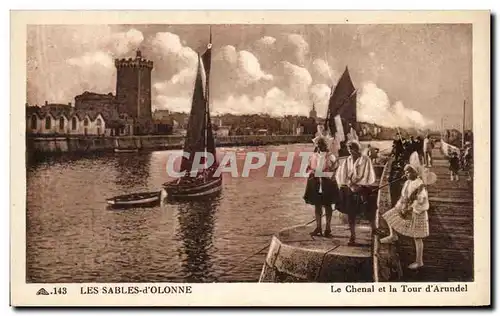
132 150
208 188
146 199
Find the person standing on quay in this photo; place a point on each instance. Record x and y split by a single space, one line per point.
467 159
454 166
321 190
409 216
428 151
354 176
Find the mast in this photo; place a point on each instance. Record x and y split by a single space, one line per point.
209 143
207 100
463 126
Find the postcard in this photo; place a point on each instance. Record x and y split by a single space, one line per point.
260 158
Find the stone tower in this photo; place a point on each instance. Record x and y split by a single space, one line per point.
133 90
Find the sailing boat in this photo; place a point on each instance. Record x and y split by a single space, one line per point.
341 118
199 138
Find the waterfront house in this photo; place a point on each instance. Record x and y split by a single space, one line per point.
222 131
63 120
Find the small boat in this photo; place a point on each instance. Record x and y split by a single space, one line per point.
195 189
199 138
142 199
126 150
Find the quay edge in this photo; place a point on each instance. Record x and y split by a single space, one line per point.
294 256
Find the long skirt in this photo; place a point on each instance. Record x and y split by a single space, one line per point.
414 225
364 201
328 194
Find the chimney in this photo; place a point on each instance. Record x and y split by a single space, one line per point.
46 102
69 103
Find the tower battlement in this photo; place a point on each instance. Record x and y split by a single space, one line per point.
133 63
137 62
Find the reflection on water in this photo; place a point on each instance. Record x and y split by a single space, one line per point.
196 223
73 237
132 170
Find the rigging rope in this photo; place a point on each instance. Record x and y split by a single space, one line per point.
238 265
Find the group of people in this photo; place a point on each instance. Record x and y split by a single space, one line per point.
345 184
403 147
348 184
461 160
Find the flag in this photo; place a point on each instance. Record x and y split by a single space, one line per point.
339 134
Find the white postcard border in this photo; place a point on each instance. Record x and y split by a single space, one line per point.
252 294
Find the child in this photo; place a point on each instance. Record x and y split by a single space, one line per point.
322 191
409 216
454 166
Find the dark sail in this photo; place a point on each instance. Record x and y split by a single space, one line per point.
195 134
343 103
199 136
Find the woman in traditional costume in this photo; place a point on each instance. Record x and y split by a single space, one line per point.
409 216
321 189
355 176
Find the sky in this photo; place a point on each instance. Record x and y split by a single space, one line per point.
407 75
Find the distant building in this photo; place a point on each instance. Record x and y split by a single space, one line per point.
90 101
127 113
161 114
223 131
62 119
312 113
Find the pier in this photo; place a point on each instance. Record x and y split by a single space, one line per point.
449 249
295 256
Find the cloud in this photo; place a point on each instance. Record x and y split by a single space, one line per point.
124 42
320 95
173 53
274 102
237 72
295 80
266 41
240 65
294 47
92 59
249 69
64 61
322 72
172 103
373 106
178 65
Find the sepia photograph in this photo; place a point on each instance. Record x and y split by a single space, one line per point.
252 153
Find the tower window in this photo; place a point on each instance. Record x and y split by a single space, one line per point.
98 122
73 123
86 122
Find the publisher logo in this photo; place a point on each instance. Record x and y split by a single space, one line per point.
42 291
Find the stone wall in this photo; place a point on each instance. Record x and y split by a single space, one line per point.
386 263
88 144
